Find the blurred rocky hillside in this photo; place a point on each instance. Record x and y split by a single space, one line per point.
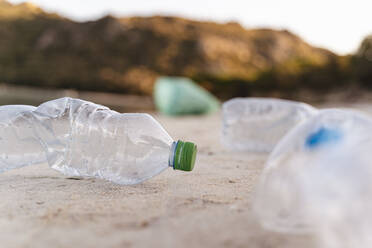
362 63
126 55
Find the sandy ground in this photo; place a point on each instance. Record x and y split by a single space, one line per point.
209 207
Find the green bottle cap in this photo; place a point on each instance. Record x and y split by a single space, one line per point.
185 154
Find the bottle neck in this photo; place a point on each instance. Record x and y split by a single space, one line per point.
172 154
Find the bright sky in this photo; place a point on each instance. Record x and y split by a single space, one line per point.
339 25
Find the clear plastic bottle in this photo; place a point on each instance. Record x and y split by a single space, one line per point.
318 179
80 138
257 124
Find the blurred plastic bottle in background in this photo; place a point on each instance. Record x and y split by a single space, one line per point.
80 138
318 180
257 124
181 96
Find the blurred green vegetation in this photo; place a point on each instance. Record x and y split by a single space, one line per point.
127 55
361 63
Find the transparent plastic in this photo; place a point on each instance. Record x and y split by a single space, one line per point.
80 138
319 180
257 124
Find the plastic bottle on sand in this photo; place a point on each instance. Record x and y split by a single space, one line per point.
80 138
318 179
177 96
257 124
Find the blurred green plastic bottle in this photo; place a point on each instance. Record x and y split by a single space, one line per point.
181 96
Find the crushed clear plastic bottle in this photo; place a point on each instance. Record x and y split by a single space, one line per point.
257 124
319 180
80 138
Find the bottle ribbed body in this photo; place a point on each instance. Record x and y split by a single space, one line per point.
80 138
257 124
